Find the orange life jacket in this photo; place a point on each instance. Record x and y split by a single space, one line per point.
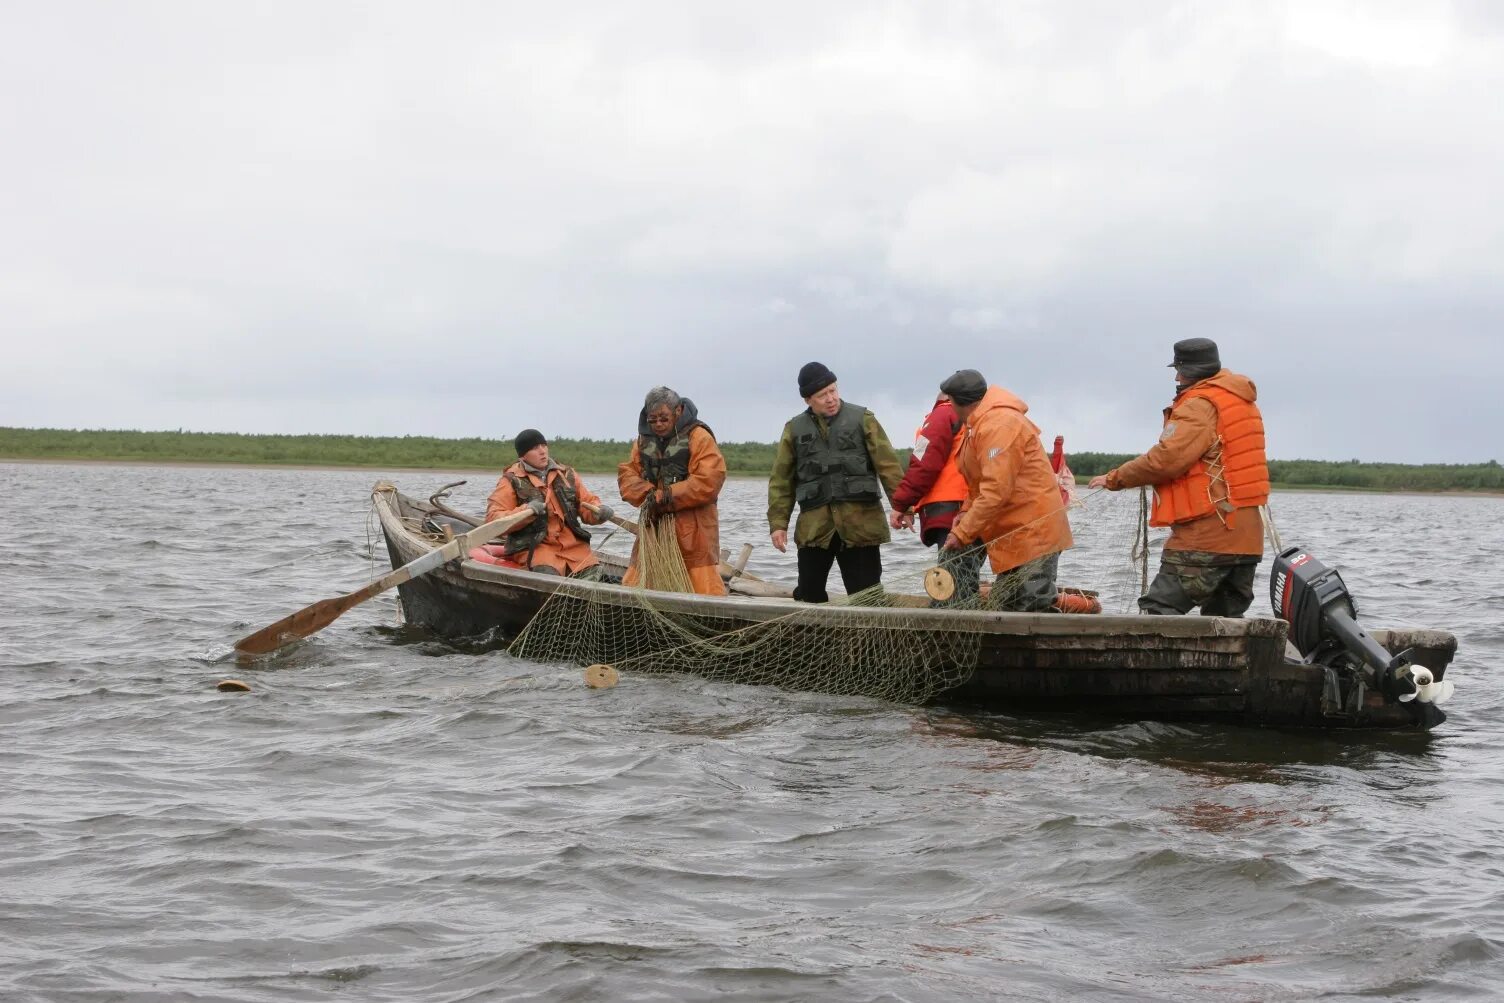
950 486
1241 466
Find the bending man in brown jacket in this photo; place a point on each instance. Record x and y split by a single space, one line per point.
1210 476
1013 510
677 467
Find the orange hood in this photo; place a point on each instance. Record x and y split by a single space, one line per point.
1233 383
996 397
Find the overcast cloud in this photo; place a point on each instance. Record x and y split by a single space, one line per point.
461 219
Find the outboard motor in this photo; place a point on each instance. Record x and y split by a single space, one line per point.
1324 628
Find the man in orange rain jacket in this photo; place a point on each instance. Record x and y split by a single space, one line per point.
677 467
555 541
932 486
1013 508
1210 476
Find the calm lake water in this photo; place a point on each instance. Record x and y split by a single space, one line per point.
387 818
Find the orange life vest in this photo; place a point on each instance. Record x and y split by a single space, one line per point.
1241 466
950 486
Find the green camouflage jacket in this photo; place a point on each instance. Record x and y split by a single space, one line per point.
860 524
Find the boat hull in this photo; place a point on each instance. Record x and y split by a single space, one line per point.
1164 668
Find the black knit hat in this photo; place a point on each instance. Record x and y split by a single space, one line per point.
1197 354
813 378
528 439
965 386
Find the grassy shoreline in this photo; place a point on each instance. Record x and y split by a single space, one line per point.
330 467
495 472
601 456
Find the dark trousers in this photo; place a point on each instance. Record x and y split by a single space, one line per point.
1028 588
935 521
1220 590
934 536
861 568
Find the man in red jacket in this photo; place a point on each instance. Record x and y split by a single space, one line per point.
932 486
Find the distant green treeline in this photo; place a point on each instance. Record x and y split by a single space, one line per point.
602 455
1349 474
588 455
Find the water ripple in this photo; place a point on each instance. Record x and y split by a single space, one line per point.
389 817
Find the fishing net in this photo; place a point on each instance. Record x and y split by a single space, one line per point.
864 644
881 642
884 642
660 561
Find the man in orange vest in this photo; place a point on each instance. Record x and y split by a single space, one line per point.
1210 476
932 486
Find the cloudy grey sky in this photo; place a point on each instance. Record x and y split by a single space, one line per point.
463 218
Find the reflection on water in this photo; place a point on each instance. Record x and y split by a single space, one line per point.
392 814
1218 817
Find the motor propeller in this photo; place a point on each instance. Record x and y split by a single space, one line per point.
1428 689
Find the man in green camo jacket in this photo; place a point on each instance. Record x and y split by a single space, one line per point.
835 462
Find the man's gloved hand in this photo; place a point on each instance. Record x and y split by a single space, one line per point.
539 507
604 512
656 505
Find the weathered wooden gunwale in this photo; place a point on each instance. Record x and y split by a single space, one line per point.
1176 668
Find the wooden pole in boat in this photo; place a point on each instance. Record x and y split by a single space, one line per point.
624 523
321 614
727 570
442 509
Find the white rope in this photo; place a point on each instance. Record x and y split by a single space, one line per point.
1269 529
1141 540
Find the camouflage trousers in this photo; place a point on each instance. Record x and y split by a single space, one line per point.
1221 584
1028 588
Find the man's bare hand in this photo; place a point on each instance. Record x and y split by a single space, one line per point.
781 540
901 520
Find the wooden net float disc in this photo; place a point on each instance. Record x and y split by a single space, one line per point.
232 686
600 677
940 584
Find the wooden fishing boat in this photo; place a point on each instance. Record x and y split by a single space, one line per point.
1188 668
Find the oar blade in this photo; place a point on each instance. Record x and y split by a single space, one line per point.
321 614
292 628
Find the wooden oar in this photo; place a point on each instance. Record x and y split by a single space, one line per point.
626 524
321 614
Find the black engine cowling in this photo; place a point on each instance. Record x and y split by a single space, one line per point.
1324 628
